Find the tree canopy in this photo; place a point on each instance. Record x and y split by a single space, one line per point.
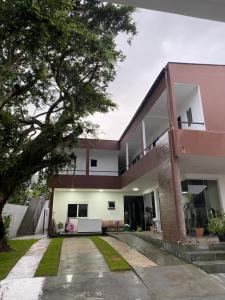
57 58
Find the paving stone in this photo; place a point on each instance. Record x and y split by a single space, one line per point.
80 255
133 257
159 256
28 264
91 286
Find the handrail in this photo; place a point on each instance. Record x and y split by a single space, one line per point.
191 123
90 170
155 140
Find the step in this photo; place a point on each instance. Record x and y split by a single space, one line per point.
212 266
204 255
198 247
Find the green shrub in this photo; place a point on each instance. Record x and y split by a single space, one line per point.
7 220
217 225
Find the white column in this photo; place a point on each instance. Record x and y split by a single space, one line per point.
143 137
157 208
127 156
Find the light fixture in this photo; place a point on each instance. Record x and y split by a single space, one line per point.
185 192
101 190
135 189
72 190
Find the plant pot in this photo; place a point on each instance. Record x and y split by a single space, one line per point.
199 232
221 237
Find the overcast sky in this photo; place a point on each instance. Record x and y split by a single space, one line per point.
161 38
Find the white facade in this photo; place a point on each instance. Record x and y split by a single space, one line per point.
189 97
97 205
107 163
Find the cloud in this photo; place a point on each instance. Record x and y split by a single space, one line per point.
162 37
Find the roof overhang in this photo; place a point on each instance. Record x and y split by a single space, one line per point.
203 9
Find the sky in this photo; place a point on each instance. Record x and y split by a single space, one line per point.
162 37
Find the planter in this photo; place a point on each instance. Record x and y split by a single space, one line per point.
221 237
199 232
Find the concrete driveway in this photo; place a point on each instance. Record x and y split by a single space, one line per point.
83 274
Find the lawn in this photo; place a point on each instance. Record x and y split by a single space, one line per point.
9 259
114 260
50 261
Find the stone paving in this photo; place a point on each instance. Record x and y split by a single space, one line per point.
28 264
80 255
83 274
133 257
20 284
159 256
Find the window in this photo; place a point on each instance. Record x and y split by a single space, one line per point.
72 211
77 211
82 212
189 117
93 162
111 205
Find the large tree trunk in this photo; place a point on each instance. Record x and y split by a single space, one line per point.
4 247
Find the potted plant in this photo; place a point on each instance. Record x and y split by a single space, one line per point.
60 226
199 230
217 226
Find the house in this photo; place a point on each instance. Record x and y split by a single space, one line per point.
170 159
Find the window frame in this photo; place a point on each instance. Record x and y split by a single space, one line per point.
77 210
189 116
112 208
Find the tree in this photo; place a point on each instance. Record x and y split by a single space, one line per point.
57 58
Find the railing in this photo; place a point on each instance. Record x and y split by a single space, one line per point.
189 123
146 150
91 171
102 172
155 141
38 211
72 171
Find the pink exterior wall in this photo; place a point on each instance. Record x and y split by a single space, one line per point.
211 80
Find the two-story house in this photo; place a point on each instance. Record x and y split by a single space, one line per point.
170 158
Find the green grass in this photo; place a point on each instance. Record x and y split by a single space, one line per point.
9 259
114 260
50 261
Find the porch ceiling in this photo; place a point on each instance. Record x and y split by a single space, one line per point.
144 183
203 9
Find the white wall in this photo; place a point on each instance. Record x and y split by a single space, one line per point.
107 160
17 213
97 205
80 162
193 101
43 217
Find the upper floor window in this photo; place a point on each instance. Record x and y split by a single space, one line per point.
93 162
189 117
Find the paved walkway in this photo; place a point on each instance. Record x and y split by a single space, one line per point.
28 264
159 256
133 257
84 274
79 255
20 284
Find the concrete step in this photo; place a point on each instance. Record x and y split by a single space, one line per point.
213 266
202 247
209 255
